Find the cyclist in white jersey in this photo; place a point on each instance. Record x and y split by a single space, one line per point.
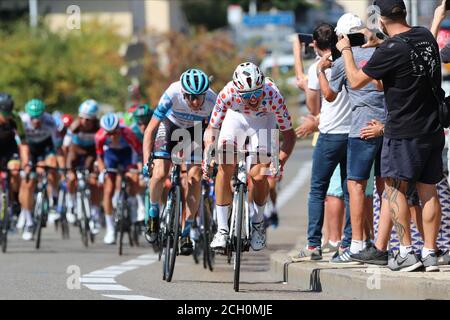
245 108
186 104
41 135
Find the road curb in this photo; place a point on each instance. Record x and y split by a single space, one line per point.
360 282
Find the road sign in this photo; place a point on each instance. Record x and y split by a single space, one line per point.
286 18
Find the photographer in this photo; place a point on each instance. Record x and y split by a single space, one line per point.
414 138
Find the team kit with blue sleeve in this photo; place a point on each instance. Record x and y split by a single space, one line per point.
174 113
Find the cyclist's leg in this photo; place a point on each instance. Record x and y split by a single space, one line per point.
51 161
231 138
111 159
26 199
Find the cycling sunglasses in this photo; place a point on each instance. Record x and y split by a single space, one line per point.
248 95
192 97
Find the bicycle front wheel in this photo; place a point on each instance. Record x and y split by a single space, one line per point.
38 216
238 238
174 234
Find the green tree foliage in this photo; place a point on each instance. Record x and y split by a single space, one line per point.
213 14
62 69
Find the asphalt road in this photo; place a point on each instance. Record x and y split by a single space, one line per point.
54 271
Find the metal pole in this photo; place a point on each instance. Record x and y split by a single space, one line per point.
253 8
33 7
414 12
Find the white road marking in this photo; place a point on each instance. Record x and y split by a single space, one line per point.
121 268
106 287
97 280
297 182
129 297
137 262
103 279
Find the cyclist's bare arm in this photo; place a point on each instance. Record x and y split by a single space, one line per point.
287 146
149 138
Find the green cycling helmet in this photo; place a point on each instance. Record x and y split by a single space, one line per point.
142 111
35 108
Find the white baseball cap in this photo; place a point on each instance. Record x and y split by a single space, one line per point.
349 23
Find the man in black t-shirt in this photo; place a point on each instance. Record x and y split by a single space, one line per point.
414 138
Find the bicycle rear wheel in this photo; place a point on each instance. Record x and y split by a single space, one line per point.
172 243
238 238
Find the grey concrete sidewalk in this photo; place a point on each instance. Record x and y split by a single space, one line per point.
360 281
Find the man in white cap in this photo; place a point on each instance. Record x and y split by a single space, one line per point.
364 143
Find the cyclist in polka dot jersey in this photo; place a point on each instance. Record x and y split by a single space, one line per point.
272 102
249 108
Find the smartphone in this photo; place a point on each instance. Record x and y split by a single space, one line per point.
305 38
357 39
447 4
335 54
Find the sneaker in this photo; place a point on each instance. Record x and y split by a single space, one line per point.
430 262
219 241
53 216
110 237
258 241
371 255
407 264
186 246
151 234
28 233
446 258
343 256
71 217
329 247
194 233
309 253
273 220
94 226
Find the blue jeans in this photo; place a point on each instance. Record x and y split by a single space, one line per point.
331 150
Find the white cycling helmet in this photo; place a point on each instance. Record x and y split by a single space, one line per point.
109 122
88 109
248 77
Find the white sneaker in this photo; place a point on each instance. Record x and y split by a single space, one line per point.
110 237
140 213
28 234
194 234
21 221
219 241
71 218
52 217
94 226
258 236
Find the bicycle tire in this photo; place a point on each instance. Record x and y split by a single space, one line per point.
83 222
176 233
5 223
209 254
120 221
38 211
238 239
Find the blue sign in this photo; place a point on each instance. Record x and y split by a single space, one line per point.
286 18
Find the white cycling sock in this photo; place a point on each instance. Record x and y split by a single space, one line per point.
109 219
404 250
356 246
259 214
28 218
426 252
71 199
222 217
